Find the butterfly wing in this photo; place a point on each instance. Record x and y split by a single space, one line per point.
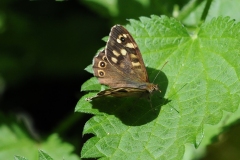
120 92
124 55
107 74
121 67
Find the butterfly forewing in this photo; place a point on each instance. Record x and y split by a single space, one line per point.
123 53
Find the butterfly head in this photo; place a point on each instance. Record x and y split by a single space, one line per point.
152 87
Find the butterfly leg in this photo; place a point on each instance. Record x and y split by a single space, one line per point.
150 102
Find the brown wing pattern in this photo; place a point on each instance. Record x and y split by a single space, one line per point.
107 74
123 53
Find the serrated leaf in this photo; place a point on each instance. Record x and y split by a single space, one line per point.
199 82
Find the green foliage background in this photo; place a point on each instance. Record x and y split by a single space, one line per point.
46 46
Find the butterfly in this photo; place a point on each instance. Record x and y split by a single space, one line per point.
120 66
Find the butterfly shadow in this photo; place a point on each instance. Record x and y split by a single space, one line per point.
136 111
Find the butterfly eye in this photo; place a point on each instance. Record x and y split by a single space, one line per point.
104 58
102 64
101 73
122 39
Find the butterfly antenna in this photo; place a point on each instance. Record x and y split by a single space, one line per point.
175 94
179 90
159 71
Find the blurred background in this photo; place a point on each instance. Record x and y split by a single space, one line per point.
44 48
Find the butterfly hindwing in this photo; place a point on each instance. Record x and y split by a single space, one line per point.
121 92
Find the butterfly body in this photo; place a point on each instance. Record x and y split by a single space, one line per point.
120 66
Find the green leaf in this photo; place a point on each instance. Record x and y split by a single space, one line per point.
20 142
199 82
92 85
19 158
44 156
89 69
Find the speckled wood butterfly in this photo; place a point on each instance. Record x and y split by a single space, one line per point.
120 66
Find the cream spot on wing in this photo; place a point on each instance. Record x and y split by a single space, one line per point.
119 37
114 59
129 45
133 56
104 58
125 35
136 64
116 53
124 52
119 41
